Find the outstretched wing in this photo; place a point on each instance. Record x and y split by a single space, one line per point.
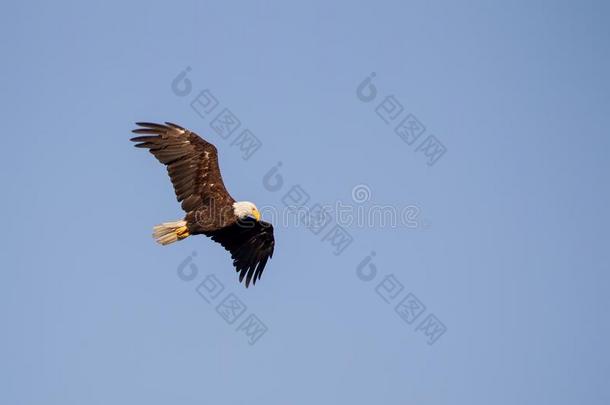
192 163
251 244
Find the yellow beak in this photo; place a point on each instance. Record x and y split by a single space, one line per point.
257 215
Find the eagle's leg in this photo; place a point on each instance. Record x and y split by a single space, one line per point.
182 232
170 232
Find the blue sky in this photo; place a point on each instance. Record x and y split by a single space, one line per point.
509 254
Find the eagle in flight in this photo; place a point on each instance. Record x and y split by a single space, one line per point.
192 165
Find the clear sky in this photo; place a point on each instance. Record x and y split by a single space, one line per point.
486 122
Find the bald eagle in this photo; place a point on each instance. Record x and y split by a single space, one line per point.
192 165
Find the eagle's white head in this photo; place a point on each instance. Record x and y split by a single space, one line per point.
243 209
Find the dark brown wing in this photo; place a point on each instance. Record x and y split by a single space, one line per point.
192 164
251 244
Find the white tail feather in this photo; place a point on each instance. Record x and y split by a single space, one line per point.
170 232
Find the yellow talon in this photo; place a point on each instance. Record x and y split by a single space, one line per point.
170 232
182 232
